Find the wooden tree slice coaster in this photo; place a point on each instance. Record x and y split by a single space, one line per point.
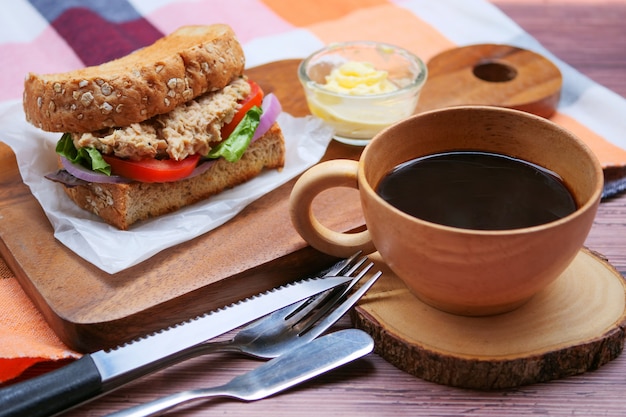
574 325
492 75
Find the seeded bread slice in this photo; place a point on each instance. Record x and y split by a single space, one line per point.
121 205
183 65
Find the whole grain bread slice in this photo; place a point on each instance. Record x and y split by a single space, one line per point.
122 205
153 80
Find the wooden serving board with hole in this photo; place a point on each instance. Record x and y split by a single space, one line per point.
257 250
490 74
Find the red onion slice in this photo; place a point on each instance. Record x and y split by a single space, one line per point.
202 167
88 175
271 109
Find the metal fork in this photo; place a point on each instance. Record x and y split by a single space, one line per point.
297 324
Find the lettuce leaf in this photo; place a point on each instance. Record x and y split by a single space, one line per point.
236 144
88 157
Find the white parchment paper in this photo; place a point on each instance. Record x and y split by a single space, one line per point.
113 250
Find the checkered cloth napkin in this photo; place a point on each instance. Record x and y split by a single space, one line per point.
54 36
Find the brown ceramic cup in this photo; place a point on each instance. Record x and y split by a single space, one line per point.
461 271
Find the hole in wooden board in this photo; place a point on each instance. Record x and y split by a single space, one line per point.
493 71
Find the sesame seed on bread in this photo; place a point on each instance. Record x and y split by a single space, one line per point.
153 80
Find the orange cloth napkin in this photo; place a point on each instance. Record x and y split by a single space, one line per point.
25 337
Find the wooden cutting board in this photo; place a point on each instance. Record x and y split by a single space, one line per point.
257 250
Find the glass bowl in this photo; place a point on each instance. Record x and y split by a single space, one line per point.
355 117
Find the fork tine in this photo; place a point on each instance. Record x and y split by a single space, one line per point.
337 294
358 277
356 266
327 301
314 328
330 301
340 267
293 311
330 297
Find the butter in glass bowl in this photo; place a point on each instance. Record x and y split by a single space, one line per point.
361 87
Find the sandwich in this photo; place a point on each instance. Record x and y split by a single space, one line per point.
159 129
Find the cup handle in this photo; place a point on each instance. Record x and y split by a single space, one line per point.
329 174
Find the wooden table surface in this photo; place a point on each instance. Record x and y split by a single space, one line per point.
590 35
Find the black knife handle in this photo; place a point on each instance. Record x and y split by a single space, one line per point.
53 392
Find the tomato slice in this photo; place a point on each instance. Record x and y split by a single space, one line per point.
152 170
255 98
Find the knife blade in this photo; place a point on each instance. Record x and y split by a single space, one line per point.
97 373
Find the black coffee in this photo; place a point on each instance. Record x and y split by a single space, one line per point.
477 190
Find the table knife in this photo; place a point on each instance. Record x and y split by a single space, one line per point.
97 373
